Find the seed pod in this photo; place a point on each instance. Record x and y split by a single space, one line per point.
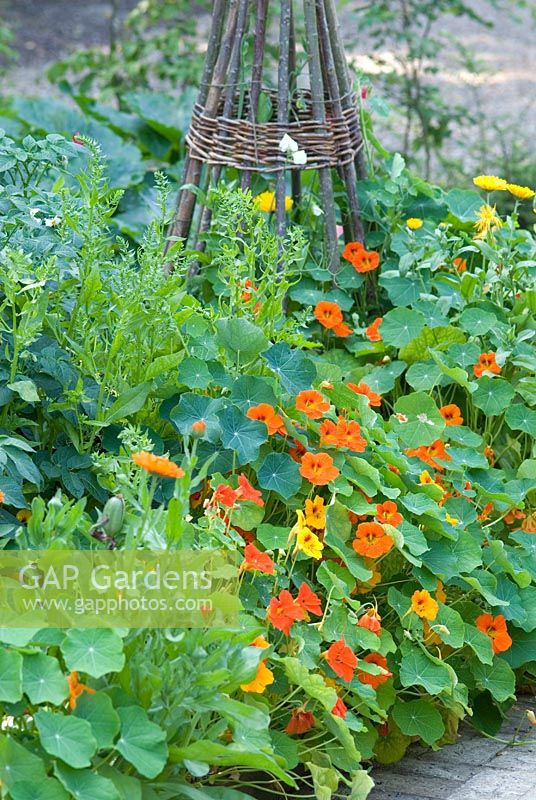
113 515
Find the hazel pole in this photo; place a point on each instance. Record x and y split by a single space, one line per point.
261 13
319 115
282 116
213 79
348 171
295 175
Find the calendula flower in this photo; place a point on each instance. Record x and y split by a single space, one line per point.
312 403
309 601
309 543
486 363
371 540
414 223
157 465
490 183
266 413
318 468
339 709
495 628
388 513
328 314
257 561
76 689
487 220
366 261
424 605
521 192
264 676
451 414
372 332
266 202
247 492
284 611
300 722
341 659
371 621
315 513
375 680
373 398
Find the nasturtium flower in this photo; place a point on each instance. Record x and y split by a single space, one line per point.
440 593
309 543
343 330
339 709
374 399
352 250
309 601
300 722
315 513
414 223
496 629
76 689
451 414
284 611
198 428
451 520
247 492
371 540
424 605
485 513
257 561
375 680
388 513
487 362
460 264
371 621
298 525
372 331
490 183
224 496
429 454
157 465
425 479
264 676
265 201
266 413
318 468
521 192
312 403
2 497
341 659
366 261
490 455
487 221
328 314
343 434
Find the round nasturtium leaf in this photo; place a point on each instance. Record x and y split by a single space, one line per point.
42 679
493 395
400 326
66 737
93 650
419 718
279 473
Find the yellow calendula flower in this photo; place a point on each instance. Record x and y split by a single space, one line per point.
315 513
522 192
266 202
451 520
490 183
414 223
487 220
309 543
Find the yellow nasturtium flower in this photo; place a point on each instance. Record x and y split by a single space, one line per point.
315 513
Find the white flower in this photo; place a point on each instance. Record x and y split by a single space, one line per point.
34 212
52 222
299 157
288 145
317 211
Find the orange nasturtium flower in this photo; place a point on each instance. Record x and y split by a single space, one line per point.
309 601
352 250
342 434
372 332
257 561
264 676
318 468
363 260
2 496
328 314
312 403
300 722
495 628
315 513
429 453
247 492
157 465
375 680
388 513
486 363
339 709
460 264
284 611
490 455
342 330
224 496
371 621
266 413
341 659
424 605
371 540
76 689
451 414
374 399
